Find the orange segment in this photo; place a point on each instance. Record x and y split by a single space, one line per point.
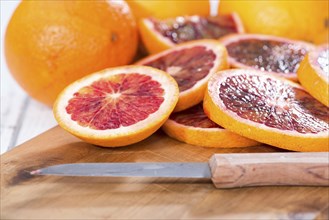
268 109
118 106
267 53
191 65
192 126
158 35
313 74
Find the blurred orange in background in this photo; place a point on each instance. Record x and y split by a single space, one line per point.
49 44
168 8
304 20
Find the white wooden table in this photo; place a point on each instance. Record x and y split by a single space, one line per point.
22 118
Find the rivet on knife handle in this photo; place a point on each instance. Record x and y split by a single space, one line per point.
261 169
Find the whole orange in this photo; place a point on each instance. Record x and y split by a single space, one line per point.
306 20
168 8
49 44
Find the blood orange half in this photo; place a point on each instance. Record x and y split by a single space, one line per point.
117 106
158 35
269 109
313 73
191 64
267 53
192 126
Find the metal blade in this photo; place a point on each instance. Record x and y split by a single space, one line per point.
188 170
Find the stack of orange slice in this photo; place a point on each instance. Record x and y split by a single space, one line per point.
185 86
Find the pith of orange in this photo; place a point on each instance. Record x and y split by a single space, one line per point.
314 76
304 20
168 8
49 44
117 106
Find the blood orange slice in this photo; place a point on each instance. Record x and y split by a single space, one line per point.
269 109
158 35
117 106
191 64
192 126
267 53
313 73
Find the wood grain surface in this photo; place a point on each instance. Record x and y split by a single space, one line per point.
47 197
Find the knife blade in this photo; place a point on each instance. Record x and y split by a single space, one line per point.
185 170
225 170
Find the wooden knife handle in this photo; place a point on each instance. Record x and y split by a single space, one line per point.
262 169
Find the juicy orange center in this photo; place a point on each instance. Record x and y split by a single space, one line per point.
187 66
119 100
184 29
274 103
266 55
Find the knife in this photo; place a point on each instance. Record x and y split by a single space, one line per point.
225 170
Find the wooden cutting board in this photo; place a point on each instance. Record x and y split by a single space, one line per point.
47 197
